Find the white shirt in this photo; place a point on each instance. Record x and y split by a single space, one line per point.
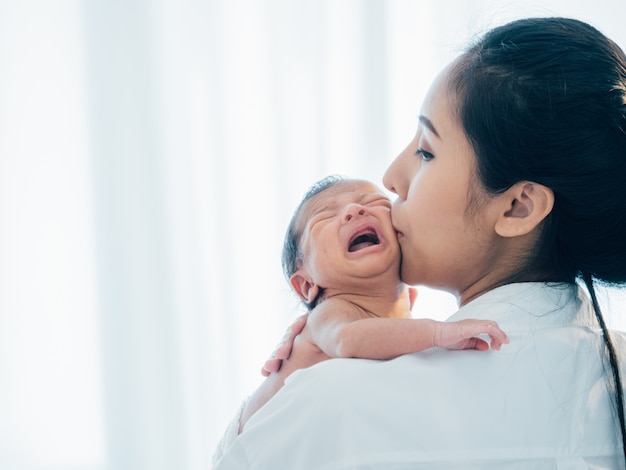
541 402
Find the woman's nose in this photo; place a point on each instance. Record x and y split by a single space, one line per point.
388 181
393 178
353 211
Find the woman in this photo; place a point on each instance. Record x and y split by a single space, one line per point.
510 192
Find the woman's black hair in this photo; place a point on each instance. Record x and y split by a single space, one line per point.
544 100
292 255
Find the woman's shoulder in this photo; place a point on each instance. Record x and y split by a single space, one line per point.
530 306
440 401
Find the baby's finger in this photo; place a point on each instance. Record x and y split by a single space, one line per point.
498 340
283 350
496 335
271 365
478 344
298 325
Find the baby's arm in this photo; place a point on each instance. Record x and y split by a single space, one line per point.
340 331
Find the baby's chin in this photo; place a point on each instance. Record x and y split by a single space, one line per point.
377 273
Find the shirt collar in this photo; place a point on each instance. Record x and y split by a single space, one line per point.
531 305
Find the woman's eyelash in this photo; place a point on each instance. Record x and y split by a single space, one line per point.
424 154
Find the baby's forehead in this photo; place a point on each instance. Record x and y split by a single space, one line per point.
342 192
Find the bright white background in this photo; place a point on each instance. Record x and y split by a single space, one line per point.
151 155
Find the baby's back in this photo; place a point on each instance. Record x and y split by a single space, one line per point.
305 353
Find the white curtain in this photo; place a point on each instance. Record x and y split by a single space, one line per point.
151 155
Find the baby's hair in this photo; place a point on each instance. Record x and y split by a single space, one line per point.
292 255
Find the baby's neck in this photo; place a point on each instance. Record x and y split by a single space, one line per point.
389 303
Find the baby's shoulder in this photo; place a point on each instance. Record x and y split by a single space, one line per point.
337 307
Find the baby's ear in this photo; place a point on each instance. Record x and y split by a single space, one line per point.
306 288
526 205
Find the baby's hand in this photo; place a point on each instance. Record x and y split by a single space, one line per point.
464 335
283 349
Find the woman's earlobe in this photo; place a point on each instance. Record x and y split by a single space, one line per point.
527 205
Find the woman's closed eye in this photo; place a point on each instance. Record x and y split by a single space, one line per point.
424 154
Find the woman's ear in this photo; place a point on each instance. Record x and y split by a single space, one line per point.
526 205
306 289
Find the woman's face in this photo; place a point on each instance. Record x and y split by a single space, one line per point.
444 244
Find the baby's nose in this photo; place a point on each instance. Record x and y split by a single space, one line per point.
353 210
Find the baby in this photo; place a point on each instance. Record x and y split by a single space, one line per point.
342 258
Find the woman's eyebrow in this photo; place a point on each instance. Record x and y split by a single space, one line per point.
428 124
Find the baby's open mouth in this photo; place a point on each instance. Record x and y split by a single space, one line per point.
363 240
